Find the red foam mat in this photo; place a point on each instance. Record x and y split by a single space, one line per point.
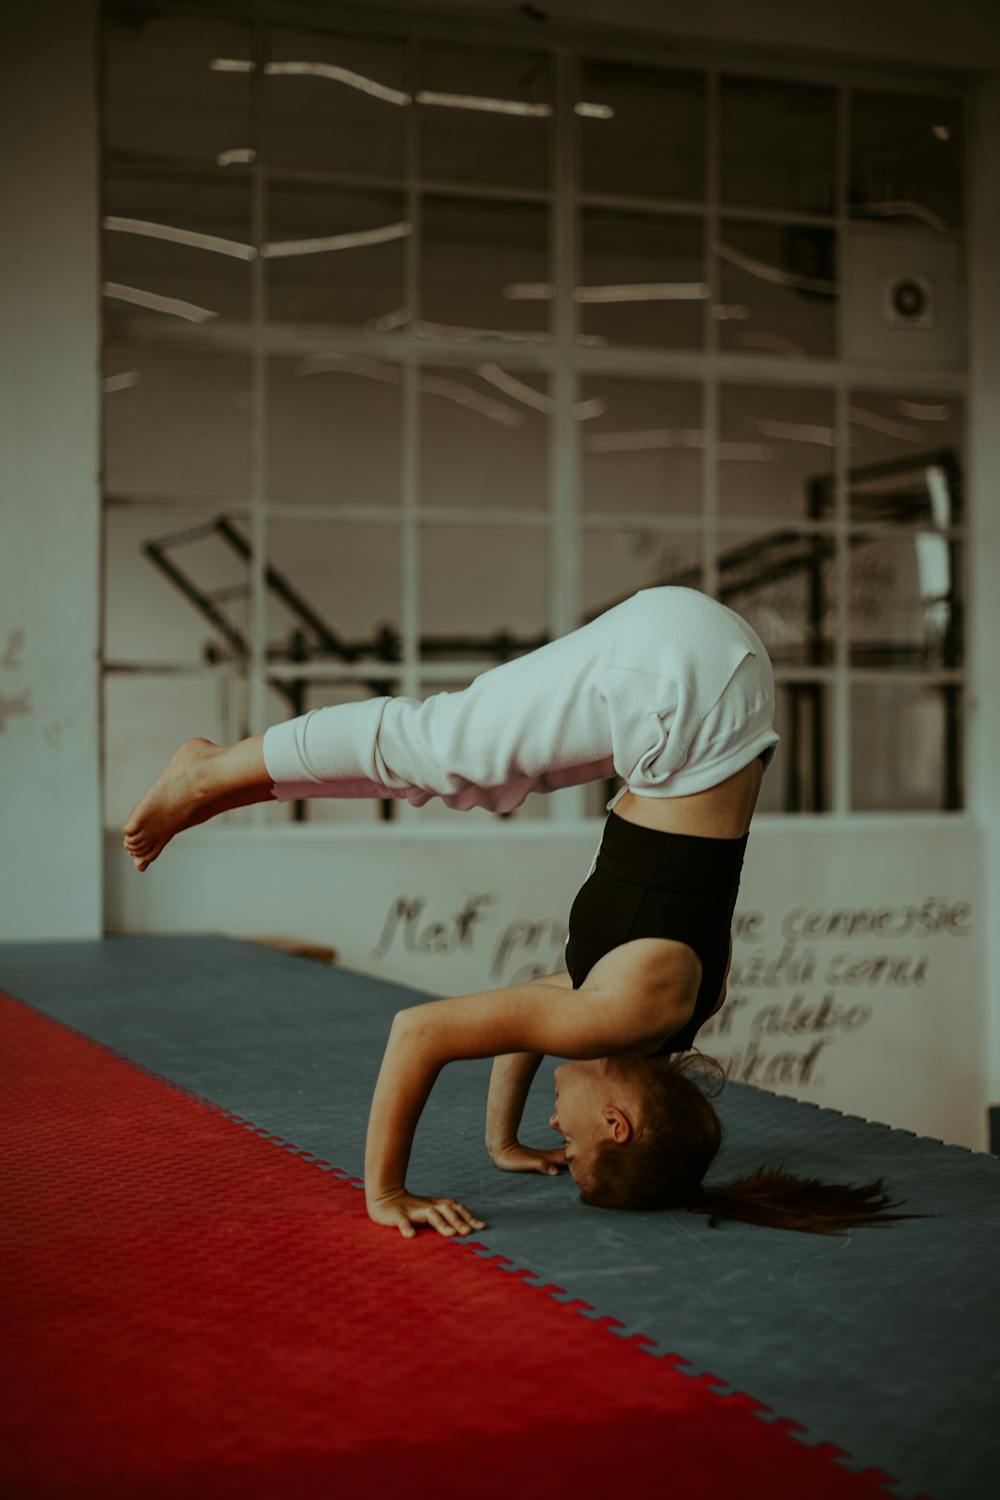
191 1310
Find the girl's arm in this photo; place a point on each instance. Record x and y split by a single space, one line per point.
510 1083
536 1017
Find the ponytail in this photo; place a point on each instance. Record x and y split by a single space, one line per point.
781 1200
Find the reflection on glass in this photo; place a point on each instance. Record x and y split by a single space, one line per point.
907 158
617 563
176 585
905 746
776 443
484 437
334 590
641 131
175 251
147 717
333 430
905 460
643 280
781 581
779 145
777 289
641 444
176 88
334 256
904 601
485 269
482 590
485 115
176 423
799 779
335 103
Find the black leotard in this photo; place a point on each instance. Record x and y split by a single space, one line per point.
648 883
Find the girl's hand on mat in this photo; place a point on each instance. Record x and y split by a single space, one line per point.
518 1158
404 1210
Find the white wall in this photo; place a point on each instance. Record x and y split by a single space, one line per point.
50 841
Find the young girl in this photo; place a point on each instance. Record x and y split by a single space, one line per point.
674 693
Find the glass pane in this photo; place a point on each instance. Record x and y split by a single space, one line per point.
481 583
333 430
484 437
334 256
642 442
778 289
907 158
906 464
335 103
176 423
905 746
485 116
175 87
485 269
782 583
287 699
776 449
175 249
642 131
779 145
905 601
617 563
176 586
535 806
643 280
799 778
147 718
338 589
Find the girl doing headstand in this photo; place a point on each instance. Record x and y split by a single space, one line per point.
674 693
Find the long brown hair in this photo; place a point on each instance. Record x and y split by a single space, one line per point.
664 1166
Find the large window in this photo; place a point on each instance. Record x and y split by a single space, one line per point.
419 353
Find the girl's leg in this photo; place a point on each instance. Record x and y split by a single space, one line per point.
199 781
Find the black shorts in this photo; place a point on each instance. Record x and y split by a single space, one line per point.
652 884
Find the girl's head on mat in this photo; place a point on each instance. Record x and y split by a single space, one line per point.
641 1132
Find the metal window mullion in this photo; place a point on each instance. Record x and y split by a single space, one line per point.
565 539
410 413
414 675
258 707
710 389
841 739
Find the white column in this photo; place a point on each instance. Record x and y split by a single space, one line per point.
51 878
983 622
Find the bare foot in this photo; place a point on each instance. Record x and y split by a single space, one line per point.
179 798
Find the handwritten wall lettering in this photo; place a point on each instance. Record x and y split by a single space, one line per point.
525 934
405 918
15 641
10 706
933 915
801 981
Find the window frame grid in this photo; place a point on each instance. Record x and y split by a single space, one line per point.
564 362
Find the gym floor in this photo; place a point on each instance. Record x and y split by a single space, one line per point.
197 1302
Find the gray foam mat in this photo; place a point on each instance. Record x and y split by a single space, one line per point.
884 1342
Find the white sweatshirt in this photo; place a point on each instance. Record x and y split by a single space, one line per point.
670 690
